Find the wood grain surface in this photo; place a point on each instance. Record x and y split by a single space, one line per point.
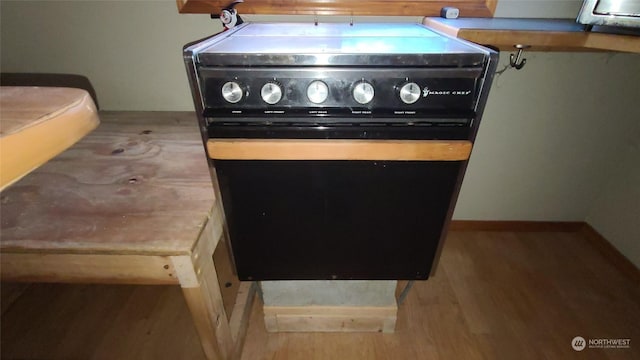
330 318
469 8
497 295
88 268
138 184
38 123
327 149
22 107
549 36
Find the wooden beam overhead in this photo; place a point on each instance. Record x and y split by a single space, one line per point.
468 8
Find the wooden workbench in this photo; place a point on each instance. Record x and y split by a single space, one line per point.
131 203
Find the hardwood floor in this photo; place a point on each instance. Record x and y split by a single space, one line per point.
496 295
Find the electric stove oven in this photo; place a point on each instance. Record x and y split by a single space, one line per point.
338 150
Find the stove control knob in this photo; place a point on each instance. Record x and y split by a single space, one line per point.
232 92
410 93
271 92
317 91
363 92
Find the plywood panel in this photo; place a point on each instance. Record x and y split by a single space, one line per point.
139 184
88 268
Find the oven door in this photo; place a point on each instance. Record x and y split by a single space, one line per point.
336 208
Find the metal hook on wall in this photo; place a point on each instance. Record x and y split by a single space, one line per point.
518 61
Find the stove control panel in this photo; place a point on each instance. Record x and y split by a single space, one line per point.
309 92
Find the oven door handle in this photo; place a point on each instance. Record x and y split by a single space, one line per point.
338 149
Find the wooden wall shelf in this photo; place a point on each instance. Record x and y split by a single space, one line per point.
477 8
540 34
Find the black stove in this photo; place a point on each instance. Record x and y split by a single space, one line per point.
265 91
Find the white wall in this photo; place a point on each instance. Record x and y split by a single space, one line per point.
549 147
558 9
130 50
616 211
549 136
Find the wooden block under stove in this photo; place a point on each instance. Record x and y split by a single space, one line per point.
330 306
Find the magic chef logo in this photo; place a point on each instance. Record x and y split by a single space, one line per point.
426 92
579 343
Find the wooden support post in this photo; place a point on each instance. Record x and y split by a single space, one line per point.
239 322
199 281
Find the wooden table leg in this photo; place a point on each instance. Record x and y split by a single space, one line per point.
203 297
199 281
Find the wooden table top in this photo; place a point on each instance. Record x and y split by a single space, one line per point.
38 123
139 184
